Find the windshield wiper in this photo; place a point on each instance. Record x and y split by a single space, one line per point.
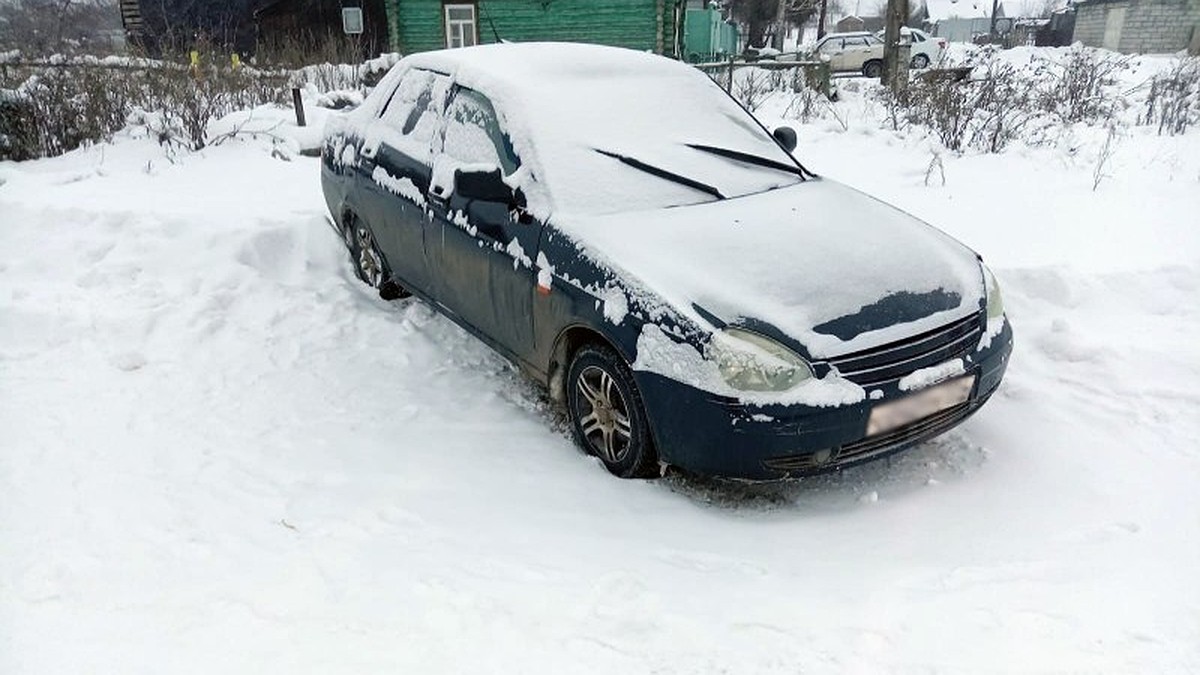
748 158
663 173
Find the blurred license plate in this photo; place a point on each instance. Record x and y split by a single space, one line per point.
909 409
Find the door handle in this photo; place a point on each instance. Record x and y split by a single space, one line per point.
439 195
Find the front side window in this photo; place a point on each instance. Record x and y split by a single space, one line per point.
413 110
473 133
460 25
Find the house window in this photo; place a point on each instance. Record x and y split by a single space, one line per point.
460 25
352 20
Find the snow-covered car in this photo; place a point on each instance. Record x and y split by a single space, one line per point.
924 48
628 235
852 52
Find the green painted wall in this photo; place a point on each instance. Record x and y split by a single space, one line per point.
638 24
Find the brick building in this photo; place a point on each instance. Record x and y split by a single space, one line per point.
1139 26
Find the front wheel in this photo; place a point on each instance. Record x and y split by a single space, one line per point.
920 61
607 415
872 69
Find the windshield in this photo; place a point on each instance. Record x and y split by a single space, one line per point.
592 128
658 123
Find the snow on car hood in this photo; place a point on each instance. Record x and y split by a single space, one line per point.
815 260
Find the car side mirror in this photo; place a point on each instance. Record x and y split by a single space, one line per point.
487 185
786 136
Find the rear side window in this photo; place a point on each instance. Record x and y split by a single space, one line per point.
474 135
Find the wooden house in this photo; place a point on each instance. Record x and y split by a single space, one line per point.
423 25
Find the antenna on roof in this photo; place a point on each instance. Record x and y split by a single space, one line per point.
491 23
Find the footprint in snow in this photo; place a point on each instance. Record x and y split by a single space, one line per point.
128 361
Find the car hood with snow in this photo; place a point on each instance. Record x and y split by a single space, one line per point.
828 266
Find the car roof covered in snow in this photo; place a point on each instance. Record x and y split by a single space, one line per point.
572 111
533 66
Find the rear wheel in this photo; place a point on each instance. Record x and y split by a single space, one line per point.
872 69
369 263
607 415
920 61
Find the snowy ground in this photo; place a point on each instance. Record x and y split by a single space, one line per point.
221 454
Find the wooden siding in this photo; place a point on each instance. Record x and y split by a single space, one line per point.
637 24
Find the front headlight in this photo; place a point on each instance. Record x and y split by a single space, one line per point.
750 362
995 304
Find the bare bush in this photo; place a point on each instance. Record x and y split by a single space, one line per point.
945 108
1174 99
301 48
1077 89
1003 106
1106 152
935 162
987 111
186 101
806 105
52 109
751 87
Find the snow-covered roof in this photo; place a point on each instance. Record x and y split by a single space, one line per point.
940 10
562 102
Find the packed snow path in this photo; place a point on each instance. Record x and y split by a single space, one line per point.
219 453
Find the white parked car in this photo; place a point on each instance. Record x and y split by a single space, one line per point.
924 48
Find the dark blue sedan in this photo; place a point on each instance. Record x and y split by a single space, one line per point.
630 236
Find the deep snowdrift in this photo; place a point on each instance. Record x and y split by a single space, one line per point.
220 453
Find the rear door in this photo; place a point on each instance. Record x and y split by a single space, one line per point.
397 157
856 53
834 49
484 250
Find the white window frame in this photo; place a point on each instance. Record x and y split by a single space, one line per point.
352 20
461 32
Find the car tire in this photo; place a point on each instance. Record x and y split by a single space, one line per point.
920 61
607 415
369 264
872 69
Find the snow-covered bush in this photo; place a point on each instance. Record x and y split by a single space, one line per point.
751 86
1011 96
58 109
59 106
1174 99
55 105
1078 87
806 105
183 103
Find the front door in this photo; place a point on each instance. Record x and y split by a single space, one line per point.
485 250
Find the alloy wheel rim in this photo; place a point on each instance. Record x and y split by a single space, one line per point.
606 425
368 259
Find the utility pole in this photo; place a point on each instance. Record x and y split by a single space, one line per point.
821 19
895 57
992 27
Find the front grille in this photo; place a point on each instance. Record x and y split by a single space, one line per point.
926 427
922 429
893 361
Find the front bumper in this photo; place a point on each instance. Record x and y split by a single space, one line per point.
716 436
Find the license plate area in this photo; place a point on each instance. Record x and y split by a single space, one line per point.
895 414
